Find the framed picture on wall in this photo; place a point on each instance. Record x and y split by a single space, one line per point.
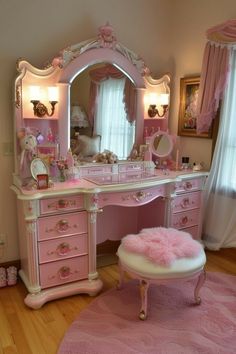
187 126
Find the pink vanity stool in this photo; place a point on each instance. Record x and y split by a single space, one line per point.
159 255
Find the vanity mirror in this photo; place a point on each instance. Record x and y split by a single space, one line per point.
161 144
107 99
62 73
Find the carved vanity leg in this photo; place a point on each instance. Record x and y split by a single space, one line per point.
200 282
144 285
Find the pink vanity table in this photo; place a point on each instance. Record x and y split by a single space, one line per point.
60 226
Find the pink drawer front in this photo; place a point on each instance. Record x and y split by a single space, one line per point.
132 198
65 271
185 219
53 205
188 185
63 248
186 202
62 225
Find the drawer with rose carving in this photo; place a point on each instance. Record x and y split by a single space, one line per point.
62 248
189 185
185 219
186 202
132 198
64 271
62 225
62 204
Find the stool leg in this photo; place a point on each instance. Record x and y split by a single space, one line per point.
144 285
121 278
200 282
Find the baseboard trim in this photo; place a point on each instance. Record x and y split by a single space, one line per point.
15 263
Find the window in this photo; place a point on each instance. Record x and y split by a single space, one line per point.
117 134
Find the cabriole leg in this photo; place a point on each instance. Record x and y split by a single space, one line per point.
120 282
200 282
144 285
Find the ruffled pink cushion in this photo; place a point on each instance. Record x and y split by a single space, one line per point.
162 245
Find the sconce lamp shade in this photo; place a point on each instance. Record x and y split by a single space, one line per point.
53 94
164 99
35 94
78 117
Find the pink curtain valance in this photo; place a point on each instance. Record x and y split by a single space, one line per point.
223 33
215 68
104 73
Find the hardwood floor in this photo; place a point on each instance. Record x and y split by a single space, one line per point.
27 331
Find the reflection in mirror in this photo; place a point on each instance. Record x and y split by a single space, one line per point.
107 99
161 144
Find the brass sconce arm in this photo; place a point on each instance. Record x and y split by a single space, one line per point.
40 110
153 111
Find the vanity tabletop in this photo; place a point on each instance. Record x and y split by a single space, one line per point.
107 183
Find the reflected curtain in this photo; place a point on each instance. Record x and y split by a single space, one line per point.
129 95
110 122
214 73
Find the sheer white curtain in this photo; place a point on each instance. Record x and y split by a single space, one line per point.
219 228
117 134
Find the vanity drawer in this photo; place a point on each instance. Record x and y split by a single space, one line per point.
62 225
132 198
186 202
64 271
96 170
188 185
55 205
129 167
185 219
62 248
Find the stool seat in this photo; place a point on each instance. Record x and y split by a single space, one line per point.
182 267
139 265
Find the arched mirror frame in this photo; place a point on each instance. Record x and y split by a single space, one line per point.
95 56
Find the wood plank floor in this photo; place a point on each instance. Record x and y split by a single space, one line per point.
27 331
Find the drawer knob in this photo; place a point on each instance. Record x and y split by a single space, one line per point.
139 196
185 203
62 225
62 249
188 185
64 272
184 220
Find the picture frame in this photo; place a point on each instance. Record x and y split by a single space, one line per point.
187 124
42 181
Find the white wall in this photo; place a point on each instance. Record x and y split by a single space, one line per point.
168 34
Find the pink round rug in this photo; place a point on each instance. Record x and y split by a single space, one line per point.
175 325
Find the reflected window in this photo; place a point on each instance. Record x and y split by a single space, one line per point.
117 133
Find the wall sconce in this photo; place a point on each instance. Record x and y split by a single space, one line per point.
158 100
40 110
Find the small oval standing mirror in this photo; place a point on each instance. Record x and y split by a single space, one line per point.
161 144
38 167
